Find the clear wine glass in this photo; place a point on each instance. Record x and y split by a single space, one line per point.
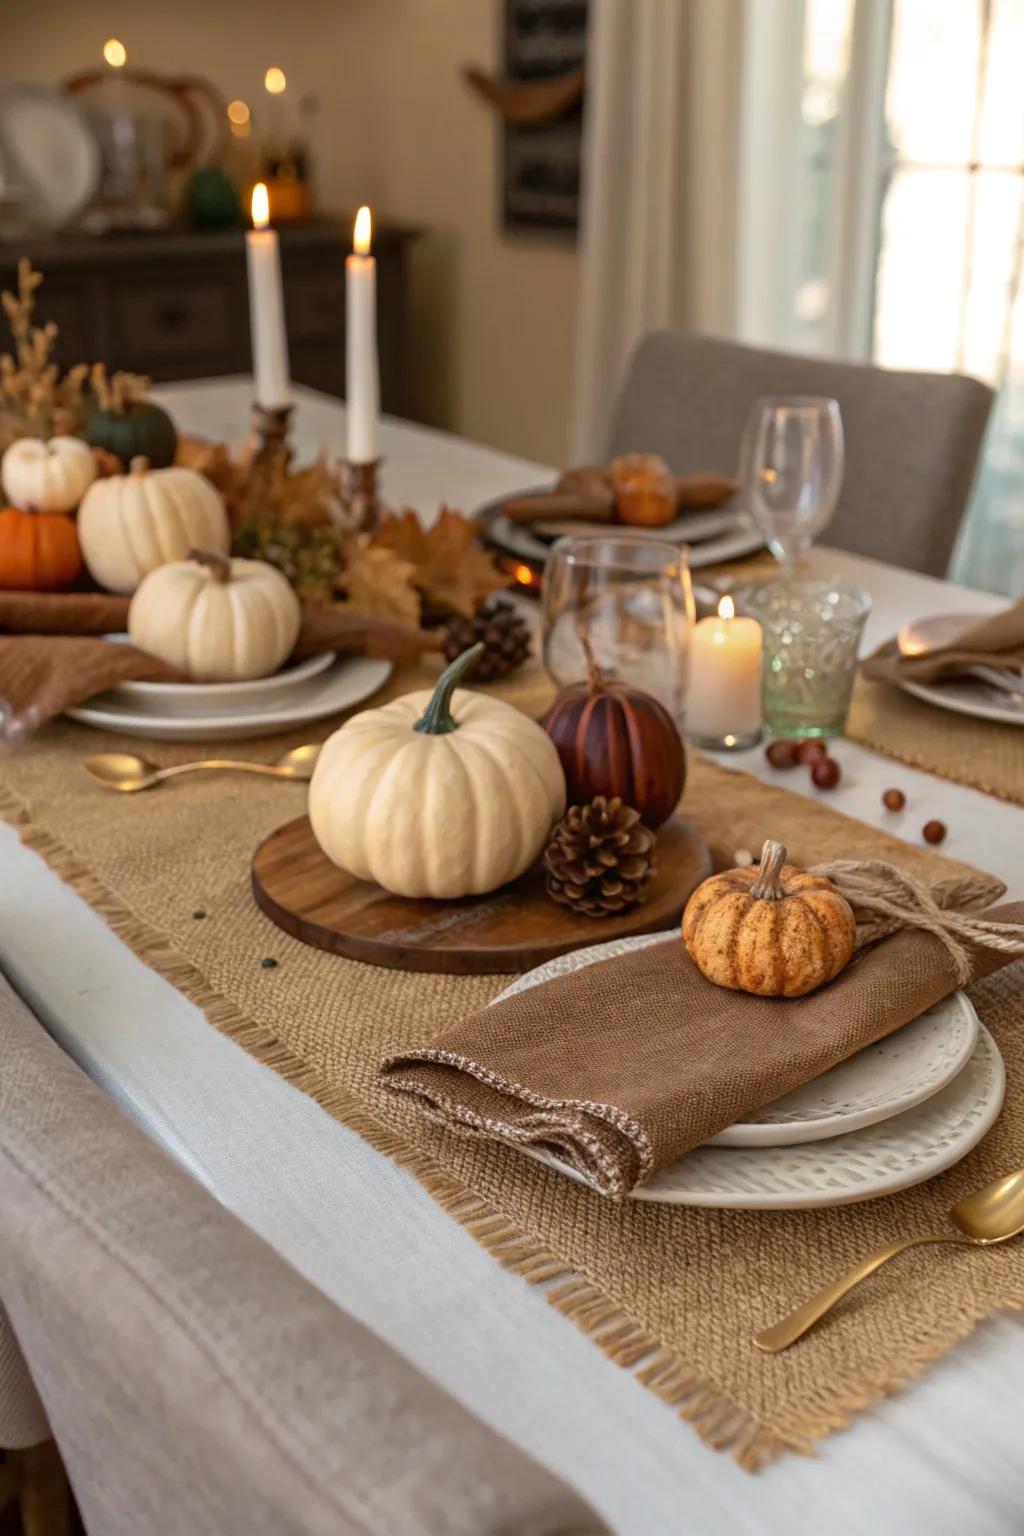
792 463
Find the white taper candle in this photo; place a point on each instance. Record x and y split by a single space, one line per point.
266 308
362 386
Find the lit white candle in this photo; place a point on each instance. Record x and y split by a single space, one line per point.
724 697
362 387
266 307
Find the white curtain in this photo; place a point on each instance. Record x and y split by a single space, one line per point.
690 182
657 229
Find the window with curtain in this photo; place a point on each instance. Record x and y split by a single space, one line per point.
909 198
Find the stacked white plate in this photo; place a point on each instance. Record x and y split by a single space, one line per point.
989 693
298 695
895 1114
726 533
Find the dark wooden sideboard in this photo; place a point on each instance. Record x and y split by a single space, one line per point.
175 305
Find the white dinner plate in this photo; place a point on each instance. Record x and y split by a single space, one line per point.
962 695
729 537
220 698
51 152
692 528
862 1165
348 682
877 1083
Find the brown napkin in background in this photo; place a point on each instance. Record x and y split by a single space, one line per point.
621 1067
55 658
994 642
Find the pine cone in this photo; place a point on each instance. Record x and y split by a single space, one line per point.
504 632
600 858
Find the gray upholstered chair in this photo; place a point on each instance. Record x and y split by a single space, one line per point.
912 439
198 1386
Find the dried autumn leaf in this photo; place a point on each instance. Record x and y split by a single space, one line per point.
449 567
378 581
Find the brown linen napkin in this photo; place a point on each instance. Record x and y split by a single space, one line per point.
57 659
995 642
621 1067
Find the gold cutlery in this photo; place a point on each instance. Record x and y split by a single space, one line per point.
990 1215
126 773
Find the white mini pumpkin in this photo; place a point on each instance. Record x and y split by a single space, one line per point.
216 620
435 795
47 476
128 525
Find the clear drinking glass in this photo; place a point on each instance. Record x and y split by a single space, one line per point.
631 601
812 633
792 469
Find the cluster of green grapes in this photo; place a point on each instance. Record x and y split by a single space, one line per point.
307 555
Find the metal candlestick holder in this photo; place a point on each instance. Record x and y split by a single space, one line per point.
359 492
270 427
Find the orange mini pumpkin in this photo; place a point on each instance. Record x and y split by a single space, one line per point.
645 490
38 551
776 931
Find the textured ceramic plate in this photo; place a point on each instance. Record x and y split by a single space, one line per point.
350 681
734 534
692 528
863 1165
966 695
199 698
879 1082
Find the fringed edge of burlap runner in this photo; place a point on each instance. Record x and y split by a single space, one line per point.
719 1421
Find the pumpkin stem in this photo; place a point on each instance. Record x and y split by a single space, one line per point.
595 676
218 565
768 886
437 719
139 465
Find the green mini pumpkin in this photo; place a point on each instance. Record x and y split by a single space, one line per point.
139 429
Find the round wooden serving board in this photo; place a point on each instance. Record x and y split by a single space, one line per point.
512 929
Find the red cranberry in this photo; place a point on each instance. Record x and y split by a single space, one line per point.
934 831
825 772
894 799
781 754
810 751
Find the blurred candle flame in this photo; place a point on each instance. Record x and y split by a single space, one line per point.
727 608
260 206
115 53
362 233
274 80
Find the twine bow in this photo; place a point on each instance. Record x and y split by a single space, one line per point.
885 899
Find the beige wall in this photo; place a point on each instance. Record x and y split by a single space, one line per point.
492 317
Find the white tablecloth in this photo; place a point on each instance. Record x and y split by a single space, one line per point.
942 1458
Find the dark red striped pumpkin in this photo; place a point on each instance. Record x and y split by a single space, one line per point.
614 739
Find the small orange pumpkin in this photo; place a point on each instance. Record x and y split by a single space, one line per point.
38 551
645 490
776 931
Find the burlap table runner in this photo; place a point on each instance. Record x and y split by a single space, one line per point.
674 1293
980 753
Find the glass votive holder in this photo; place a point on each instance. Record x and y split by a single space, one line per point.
625 603
812 632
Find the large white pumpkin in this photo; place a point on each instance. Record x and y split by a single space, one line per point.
47 476
437 794
128 525
216 620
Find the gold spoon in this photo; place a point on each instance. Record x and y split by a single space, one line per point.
991 1215
127 773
